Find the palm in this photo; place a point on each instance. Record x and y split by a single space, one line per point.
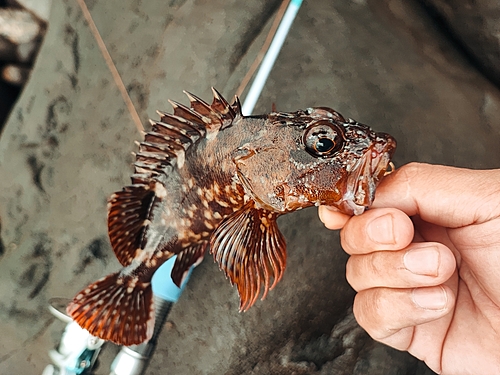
457 340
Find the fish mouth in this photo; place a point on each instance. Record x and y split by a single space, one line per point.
367 174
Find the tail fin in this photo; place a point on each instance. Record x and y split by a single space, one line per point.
117 308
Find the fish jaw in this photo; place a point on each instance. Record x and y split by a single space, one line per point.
365 176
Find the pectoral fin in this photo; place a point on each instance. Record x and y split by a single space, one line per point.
127 213
251 251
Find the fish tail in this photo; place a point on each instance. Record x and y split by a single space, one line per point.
117 308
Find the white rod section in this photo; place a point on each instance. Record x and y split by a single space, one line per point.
270 57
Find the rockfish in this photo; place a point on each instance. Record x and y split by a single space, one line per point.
209 177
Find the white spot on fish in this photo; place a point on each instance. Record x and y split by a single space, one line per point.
208 195
181 157
222 204
160 190
207 214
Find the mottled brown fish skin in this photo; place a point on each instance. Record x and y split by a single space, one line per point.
207 176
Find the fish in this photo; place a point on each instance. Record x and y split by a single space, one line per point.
208 177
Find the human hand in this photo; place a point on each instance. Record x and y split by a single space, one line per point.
429 285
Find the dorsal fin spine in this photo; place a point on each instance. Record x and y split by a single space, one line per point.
175 122
194 100
211 116
169 142
146 146
162 126
237 107
182 111
154 156
221 105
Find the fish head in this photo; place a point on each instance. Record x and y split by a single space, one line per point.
314 157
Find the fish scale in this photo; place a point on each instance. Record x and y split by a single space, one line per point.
206 176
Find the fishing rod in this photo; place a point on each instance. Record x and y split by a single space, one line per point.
78 350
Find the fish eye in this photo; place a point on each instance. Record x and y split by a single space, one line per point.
323 138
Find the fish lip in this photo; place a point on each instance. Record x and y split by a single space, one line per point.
381 154
367 174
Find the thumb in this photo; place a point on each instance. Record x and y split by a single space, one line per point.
447 196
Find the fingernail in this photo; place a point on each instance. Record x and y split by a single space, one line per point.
422 261
430 298
381 230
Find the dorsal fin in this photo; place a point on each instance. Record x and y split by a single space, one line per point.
184 126
216 116
165 145
183 112
182 135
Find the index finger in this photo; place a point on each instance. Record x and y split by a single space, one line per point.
331 217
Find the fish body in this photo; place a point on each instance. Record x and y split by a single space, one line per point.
209 177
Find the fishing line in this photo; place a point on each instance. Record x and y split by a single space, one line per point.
111 66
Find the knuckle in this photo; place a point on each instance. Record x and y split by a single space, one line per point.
367 309
407 174
348 240
354 273
410 170
372 310
353 235
368 271
377 264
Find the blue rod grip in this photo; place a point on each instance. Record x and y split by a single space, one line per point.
163 285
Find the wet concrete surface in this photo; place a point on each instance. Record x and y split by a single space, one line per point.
67 144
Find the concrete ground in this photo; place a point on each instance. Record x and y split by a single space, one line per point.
67 144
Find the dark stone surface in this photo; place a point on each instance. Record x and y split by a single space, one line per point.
9 94
473 25
67 147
